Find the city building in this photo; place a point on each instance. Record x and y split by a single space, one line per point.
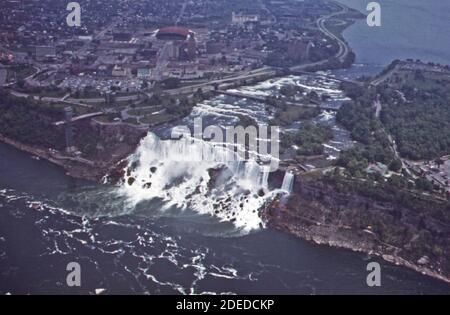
173 33
118 71
143 73
43 52
121 37
244 18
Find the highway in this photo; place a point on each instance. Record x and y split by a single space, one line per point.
208 86
341 55
343 47
183 9
3 83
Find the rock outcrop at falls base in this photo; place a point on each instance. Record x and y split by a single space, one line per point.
414 233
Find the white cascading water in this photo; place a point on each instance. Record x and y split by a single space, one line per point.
191 173
288 182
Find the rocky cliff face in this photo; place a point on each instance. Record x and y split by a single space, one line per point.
106 146
322 212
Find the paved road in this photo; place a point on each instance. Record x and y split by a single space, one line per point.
343 47
384 77
183 9
86 116
378 108
3 83
392 143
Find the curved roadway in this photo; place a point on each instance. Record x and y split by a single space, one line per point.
343 47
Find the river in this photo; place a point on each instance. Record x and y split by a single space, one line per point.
413 29
156 240
129 239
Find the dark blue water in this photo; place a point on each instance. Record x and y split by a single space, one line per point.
158 253
413 29
48 219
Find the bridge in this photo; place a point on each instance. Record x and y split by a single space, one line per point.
78 118
264 100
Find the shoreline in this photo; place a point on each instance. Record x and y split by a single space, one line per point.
322 240
96 171
318 213
331 238
75 168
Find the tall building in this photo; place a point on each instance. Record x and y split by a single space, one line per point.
118 71
192 47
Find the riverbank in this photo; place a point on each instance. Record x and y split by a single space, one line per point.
314 218
74 167
291 220
332 236
311 223
325 215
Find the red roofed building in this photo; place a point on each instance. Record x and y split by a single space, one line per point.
173 33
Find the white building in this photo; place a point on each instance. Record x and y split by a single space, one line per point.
244 18
118 71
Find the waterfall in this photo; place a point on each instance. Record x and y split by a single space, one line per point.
265 178
288 182
199 175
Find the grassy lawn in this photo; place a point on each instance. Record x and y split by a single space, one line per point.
142 112
132 121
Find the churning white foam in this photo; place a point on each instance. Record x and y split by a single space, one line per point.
195 174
